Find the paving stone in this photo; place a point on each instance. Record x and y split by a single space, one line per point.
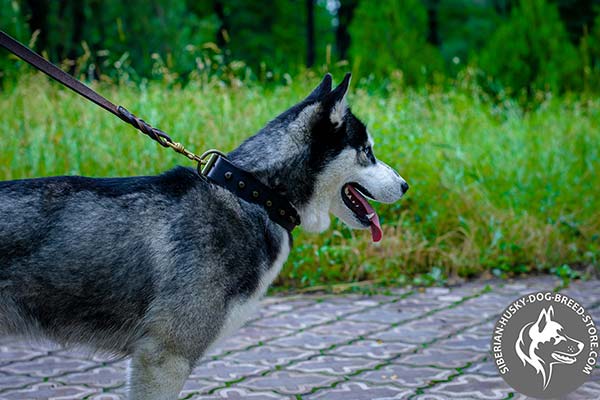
471 386
437 291
198 387
330 308
84 354
10 354
350 329
328 347
246 337
540 283
388 314
334 365
293 321
270 308
102 377
589 390
375 349
586 297
310 340
482 330
241 394
442 358
226 371
477 309
463 341
486 367
49 391
421 331
47 367
404 376
360 391
107 396
270 355
288 382
15 381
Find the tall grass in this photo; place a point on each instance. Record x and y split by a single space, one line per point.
494 189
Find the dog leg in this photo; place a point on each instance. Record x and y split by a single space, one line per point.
156 372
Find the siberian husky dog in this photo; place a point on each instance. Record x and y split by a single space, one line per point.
160 268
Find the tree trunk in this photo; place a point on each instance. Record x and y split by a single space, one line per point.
310 33
342 36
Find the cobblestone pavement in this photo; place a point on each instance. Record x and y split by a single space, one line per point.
409 344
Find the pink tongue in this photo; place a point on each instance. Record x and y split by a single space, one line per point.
376 231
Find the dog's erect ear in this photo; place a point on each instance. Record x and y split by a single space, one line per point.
544 318
335 102
320 91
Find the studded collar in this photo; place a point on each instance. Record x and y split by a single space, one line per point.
246 186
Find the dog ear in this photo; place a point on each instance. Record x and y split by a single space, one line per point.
335 102
544 318
320 91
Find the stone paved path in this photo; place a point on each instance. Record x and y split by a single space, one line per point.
425 345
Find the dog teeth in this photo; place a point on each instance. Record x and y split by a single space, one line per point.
347 191
370 216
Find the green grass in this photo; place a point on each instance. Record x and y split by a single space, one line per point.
494 189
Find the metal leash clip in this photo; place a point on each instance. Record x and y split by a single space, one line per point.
208 160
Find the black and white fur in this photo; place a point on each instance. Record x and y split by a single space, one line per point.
161 267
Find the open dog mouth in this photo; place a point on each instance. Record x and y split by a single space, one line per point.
563 358
354 197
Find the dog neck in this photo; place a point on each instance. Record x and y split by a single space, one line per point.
247 186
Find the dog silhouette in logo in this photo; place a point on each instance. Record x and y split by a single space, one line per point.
544 343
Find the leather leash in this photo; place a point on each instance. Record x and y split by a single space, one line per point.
212 164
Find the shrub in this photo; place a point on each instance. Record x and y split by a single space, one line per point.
392 36
590 53
532 51
13 23
464 28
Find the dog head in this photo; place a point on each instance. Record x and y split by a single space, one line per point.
320 156
544 343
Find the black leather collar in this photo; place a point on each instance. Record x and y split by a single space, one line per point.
245 185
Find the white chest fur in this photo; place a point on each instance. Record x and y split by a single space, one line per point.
240 311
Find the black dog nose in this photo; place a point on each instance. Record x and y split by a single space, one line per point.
404 187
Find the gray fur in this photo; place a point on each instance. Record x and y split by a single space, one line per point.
159 268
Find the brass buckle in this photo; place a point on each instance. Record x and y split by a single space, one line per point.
208 160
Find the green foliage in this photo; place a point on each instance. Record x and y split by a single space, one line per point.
273 38
590 54
13 23
131 38
392 37
464 28
494 189
531 51
522 46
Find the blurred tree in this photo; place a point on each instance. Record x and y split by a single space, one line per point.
103 35
345 13
577 14
310 33
531 50
590 51
433 36
393 36
12 21
464 28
